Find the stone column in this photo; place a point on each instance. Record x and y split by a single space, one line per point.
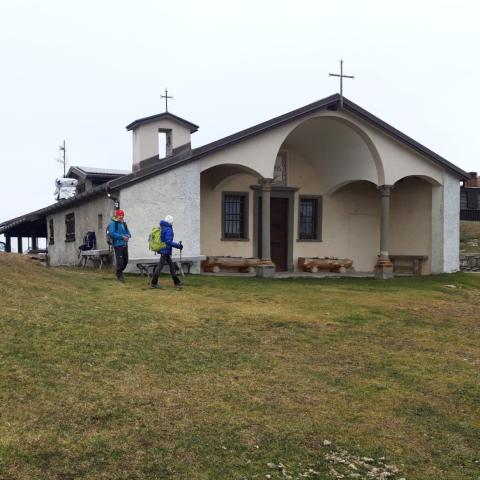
19 245
384 267
8 243
267 269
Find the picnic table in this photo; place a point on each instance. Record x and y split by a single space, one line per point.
97 257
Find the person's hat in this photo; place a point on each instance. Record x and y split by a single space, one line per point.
169 219
119 213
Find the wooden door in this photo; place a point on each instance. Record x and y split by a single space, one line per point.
278 232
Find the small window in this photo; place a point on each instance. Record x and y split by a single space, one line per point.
309 219
100 222
70 227
235 221
51 235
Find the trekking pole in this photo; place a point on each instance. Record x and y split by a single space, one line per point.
181 269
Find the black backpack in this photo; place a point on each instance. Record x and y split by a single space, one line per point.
89 242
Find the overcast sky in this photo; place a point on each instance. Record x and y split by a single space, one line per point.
80 71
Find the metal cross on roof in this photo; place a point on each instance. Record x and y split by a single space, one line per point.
342 76
166 97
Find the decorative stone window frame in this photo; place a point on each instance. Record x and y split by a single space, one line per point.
245 237
319 219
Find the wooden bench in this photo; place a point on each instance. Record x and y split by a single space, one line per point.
413 263
241 264
314 264
97 257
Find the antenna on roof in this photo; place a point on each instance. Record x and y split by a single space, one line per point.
63 157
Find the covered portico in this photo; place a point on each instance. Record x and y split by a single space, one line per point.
28 227
338 186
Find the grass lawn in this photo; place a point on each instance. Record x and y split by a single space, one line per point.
237 378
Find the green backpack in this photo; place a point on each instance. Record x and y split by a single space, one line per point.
155 240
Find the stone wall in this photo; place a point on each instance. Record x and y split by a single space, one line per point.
470 262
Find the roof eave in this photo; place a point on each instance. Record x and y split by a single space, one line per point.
61 204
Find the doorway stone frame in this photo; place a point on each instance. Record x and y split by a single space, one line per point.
278 191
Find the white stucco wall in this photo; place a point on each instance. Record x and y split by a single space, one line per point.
175 192
86 219
145 141
451 223
446 225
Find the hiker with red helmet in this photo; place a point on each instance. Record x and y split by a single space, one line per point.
120 235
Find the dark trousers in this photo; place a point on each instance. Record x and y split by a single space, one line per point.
121 260
165 259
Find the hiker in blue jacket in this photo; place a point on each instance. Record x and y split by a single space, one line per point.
166 254
118 231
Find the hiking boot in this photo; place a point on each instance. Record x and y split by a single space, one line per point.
179 286
121 279
155 286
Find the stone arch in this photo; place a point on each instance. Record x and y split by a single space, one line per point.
335 148
259 153
351 125
340 185
426 178
218 175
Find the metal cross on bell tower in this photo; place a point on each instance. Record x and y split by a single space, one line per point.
342 76
166 97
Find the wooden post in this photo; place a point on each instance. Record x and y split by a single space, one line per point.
34 243
8 243
19 245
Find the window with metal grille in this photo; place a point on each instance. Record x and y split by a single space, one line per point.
309 219
70 227
234 216
51 235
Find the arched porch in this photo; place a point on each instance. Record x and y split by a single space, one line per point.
325 197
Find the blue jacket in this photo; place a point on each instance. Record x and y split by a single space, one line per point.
167 237
117 230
